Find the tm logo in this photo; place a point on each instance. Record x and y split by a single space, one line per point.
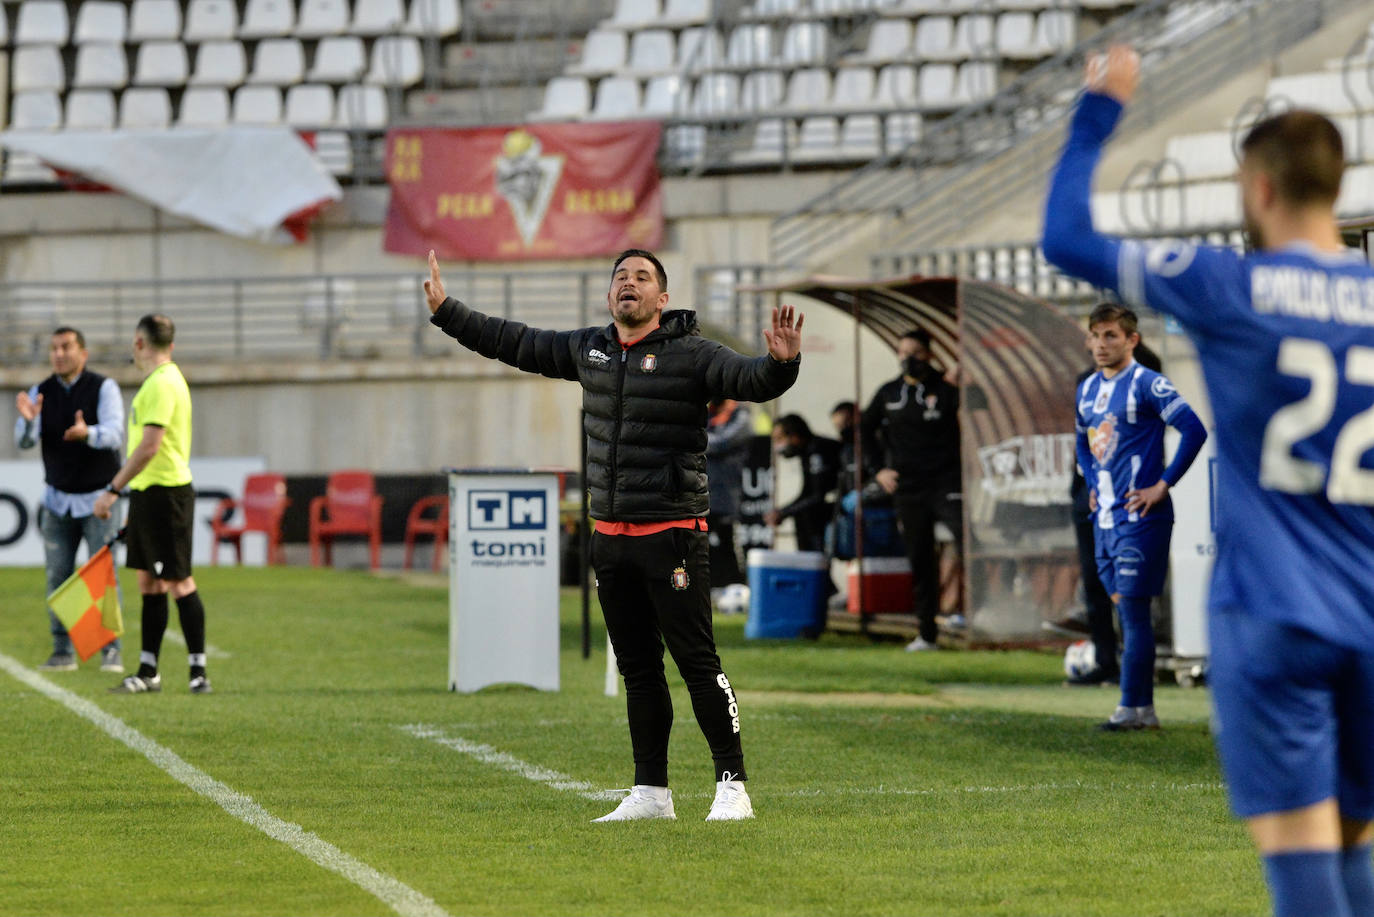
506 510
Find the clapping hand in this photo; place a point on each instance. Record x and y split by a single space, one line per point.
28 407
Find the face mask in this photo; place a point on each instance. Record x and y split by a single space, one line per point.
915 368
789 451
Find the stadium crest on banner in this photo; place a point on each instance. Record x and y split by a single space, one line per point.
515 193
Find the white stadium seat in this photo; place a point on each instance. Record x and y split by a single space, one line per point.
277 62
809 90
700 48
36 111
310 105
377 17
36 67
778 8
891 39
204 107
1016 35
897 87
256 105
153 20
319 18
716 94
90 110
1056 30
617 97
160 63
208 20
396 61
338 60
804 43
854 87
664 96
101 67
361 107
102 21
934 38
603 52
974 36
937 86
902 130
220 63
4 30
633 14
1357 192
859 137
977 80
819 138
762 90
651 51
1324 92
1201 156
750 46
434 17
41 22
566 97
144 108
1211 204
773 138
685 12
268 19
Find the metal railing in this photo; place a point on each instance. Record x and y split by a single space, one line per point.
276 319
1005 146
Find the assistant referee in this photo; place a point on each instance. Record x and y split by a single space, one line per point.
162 506
646 379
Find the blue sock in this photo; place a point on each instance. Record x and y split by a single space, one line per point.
1138 652
1306 883
1358 875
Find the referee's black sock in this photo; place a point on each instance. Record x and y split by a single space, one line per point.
154 625
192 614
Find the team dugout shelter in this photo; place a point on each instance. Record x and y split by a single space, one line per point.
1015 359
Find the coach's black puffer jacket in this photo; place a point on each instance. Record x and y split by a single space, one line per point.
645 406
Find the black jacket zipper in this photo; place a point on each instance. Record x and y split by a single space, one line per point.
615 436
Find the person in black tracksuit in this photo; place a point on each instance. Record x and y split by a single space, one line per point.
646 380
914 419
812 510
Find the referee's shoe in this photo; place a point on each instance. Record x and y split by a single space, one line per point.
138 684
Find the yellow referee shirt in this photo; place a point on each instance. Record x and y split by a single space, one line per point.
163 401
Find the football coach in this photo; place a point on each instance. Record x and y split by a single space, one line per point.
646 378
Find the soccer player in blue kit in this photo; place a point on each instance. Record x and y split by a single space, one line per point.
1286 340
1122 411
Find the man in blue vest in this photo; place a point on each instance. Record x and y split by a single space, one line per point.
78 418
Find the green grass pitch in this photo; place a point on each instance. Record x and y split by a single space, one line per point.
884 782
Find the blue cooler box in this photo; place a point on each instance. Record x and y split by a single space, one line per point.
786 593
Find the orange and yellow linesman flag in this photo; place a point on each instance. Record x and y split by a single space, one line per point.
87 604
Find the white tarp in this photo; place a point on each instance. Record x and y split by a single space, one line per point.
243 181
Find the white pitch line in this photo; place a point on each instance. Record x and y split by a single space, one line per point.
211 650
488 755
553 779
400 897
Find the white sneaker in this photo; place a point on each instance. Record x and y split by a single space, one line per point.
920 646
643 802
731 803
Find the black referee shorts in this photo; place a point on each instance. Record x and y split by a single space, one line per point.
158 539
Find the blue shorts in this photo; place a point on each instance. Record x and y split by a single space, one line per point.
1293 723
1133 557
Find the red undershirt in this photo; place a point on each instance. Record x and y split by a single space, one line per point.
645 528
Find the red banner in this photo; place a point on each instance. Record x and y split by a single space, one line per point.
511 193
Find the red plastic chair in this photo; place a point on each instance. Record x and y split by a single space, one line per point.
264 503
350 506
417 524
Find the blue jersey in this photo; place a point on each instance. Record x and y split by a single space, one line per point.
1121 426
1286 341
